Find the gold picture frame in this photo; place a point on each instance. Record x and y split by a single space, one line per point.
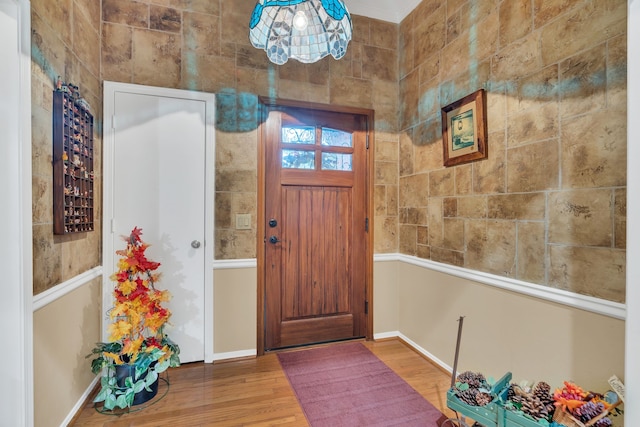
464 129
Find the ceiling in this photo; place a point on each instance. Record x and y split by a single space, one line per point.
386 10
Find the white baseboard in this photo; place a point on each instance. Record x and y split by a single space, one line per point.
78 406
414 345
234 355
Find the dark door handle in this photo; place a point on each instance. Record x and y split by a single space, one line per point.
273 239
273 223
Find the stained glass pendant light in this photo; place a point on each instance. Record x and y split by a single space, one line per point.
305 30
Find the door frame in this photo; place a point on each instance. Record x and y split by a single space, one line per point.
264 106
108 251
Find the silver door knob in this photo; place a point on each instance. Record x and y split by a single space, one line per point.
195 244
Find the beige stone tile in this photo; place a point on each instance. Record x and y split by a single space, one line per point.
597 272
457 56
248 56
429 103
422 235
517 59
453 234
237 150
91 9
535 124
583 82
531 252
85 41
581 217
405 162
117 59
384 34
529 207
319 72
129 12
491 247
423 251
487 34
476 11
617 74
533 90
42 205
351 92
207 6
496 108
454 25
413 190
428 146
450 207
465 84
547 10
436 228
47 265
48 53
430 34
295 71
259 82
385 93
236 180
385 234
386 150
409 100
441 183
430 69
165 19
453 6
379 200
533 167
303 91
153 51
408 234
386 117
620 219
223 210
79 254
515 20
464 179
235 244
386 173
472 207
594 151
392 200
361 30
208 73
41 137
201 33
490 173
447 256
585 26
406 47
57 15
414 216
235 18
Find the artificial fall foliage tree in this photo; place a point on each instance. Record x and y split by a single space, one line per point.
137 336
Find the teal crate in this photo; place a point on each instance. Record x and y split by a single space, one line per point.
490 415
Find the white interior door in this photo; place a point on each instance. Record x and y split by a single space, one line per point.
158 168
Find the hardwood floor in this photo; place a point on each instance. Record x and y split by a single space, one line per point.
255 392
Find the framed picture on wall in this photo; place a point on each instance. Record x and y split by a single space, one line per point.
464 129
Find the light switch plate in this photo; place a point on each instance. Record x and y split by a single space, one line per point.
243 221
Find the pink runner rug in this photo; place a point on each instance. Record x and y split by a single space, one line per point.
347 385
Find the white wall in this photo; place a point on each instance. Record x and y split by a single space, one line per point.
15 214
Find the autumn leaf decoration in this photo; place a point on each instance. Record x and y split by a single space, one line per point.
137 316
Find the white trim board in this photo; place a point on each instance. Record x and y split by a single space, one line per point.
50 295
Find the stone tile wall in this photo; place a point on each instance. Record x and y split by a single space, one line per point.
64 42
203 45
548 204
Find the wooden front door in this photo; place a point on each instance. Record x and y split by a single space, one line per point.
316 227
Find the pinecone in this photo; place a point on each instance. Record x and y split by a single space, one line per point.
475 380
603 422
533 406
468 396
483 398
588 411
542 389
